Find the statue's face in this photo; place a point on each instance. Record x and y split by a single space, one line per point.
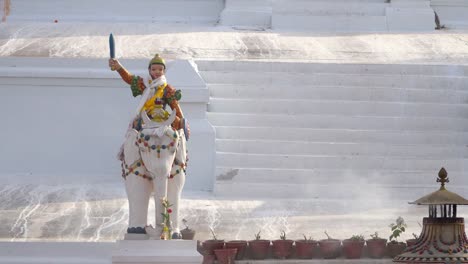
156 71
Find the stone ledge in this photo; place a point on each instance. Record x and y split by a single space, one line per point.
55 252
156 251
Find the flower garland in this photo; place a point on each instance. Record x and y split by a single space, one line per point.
133 168
145 138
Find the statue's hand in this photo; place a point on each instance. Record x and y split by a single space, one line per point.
114 64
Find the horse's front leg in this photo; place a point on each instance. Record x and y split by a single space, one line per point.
138 186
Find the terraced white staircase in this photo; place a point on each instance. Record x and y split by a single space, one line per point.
337 131
330 15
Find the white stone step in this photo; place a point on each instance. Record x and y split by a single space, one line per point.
387 94
339 122
352 192
290 80
327 107
328 8
228 175
292 147
343 135
282 161
345 68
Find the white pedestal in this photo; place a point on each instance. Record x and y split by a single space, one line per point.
156 251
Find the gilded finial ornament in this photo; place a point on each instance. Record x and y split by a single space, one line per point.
442 178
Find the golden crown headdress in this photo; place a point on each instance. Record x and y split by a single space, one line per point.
157 60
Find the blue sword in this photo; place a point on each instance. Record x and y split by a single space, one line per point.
112 46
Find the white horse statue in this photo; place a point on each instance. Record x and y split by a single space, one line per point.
154 162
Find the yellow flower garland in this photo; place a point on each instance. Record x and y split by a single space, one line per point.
155 110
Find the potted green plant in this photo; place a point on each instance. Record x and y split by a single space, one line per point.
187 233
306 248
210 245
352 247
259 247
376 246
394 247
329 247
282 248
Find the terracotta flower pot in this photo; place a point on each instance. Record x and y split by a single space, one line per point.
187 234
240 245
210 245
209 259
282 248
305 249
259 248
352 248
330 248
376 247
395 248
226 255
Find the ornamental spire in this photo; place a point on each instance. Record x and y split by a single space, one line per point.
442 178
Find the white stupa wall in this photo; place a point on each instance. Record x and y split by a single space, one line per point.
118 11
315 15
64 120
